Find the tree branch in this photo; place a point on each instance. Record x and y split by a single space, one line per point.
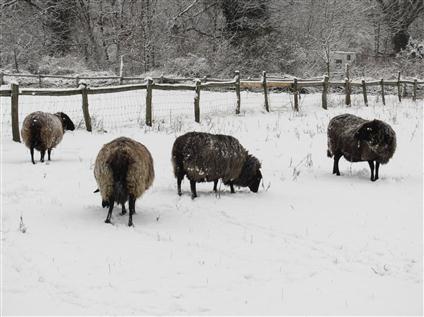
186 9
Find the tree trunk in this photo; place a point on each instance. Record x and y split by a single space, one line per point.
15 60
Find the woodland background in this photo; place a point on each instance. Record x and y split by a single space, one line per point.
211 37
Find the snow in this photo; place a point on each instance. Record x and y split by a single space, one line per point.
308 242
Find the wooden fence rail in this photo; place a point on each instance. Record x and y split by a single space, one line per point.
236 84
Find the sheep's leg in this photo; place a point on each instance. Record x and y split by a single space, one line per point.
179 180
215 184
193 189
336 164
109 214
131 206
124 211
43 152
232 188
371 164
49 152
377 166
31 150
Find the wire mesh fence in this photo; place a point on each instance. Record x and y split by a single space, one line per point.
117 110
71 105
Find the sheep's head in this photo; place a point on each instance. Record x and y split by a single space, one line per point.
66 121
105 203
250 175
370 132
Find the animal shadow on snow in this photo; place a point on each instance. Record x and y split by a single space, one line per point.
143 214
347 175
221 193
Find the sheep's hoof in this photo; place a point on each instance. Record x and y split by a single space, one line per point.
107 221
130 224
193 196
123 212
338 173
179 194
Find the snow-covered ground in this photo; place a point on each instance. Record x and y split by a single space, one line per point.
308 242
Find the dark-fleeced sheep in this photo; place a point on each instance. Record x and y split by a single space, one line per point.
205 157
357 140
123 172
44 131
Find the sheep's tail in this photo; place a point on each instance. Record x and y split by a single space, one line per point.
120 192
177 158
35 135
119 163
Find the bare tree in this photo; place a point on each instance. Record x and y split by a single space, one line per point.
399 14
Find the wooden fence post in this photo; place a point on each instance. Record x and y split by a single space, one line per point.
364 91
237 80
414 96
399 88
347 86
265 90
347 91
383 98
324 92
161 80
149 102
121 70
15 112
39 81
404 92
77 80
197 101
296 95
1 78
85 111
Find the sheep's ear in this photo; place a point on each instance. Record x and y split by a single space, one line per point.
96 191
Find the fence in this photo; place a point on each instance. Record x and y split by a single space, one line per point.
236 84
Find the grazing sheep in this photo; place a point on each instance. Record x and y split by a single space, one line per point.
360 140
123 171
205 157
43 131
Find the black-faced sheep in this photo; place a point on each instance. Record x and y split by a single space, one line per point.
359 140
205 157
123 171
43 131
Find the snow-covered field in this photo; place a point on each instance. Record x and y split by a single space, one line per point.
308 242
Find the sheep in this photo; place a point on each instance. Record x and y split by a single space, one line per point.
205 157
124 171
359 140
44 131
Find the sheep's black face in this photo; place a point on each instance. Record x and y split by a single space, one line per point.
369 132
250 175
255 181
66 121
